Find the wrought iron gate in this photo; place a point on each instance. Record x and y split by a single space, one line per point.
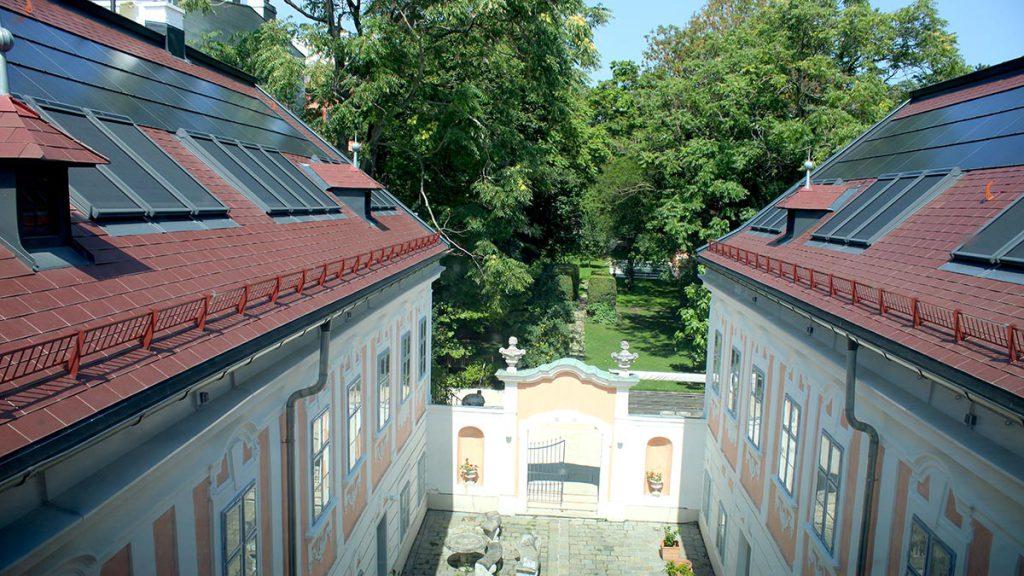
545 471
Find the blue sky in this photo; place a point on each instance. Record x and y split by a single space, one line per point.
988 30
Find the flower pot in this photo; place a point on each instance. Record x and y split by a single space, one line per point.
470 476
671 553
655 487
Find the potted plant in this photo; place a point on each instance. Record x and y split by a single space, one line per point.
655 482
670 547
681 568
469 472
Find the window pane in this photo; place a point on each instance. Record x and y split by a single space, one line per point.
918 548
232 529
250 511
940 563
235 566
251 560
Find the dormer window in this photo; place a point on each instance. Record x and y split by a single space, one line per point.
42 199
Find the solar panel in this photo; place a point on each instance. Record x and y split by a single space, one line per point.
301 179
764 218
226 166
94 194
313 198
181 181
52 64
266 179
861 215
883 206
894 211
136 182
982 133
854 205
381 200
1000 240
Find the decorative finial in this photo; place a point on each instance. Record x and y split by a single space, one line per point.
6 43
624 358
512 354
355 147
808 167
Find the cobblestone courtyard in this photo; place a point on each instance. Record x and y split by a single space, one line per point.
568 546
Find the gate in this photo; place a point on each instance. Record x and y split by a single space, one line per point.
545 471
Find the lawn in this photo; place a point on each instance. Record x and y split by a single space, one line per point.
648 320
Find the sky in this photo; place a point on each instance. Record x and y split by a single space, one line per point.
988 31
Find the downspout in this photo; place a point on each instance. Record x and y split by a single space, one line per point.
869 484
292 554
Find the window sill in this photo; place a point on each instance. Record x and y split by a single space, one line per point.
318 525
827 558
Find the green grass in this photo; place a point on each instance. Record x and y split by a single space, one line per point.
659 386
648 320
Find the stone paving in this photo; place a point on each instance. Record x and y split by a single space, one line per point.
568 546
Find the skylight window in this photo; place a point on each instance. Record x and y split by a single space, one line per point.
141 185
1000 242
265 176
883 206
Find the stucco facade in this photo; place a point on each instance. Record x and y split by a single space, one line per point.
156 497
587 411
961 486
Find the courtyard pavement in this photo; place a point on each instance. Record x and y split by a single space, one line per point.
568 546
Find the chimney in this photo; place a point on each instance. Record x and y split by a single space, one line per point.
166 18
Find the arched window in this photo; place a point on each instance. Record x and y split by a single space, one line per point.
471 456
658 462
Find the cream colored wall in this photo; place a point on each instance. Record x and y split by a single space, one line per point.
567 392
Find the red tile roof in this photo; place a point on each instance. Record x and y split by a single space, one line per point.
817 197
906 264
26 136
180 275
345 176
955 95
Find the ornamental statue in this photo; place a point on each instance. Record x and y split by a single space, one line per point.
512 354
624 358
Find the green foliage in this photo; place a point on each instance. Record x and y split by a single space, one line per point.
671 535
603 313
601 290
724 111
565 286
266 53
683 568
572 271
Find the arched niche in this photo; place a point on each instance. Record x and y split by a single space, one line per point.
659 459
470 447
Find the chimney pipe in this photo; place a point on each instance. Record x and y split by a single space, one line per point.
6 43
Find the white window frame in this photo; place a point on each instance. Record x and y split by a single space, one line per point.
735 373
755 408
354 421
405 366
721 532
383 389
320 452
245 535
404 512
424 347
789 444
827 482
716 363
707 497
421 477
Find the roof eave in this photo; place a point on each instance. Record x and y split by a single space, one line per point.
1006 400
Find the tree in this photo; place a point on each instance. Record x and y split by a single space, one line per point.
730 105
474 113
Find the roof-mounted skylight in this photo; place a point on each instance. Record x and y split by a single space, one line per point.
141 180
883 206
263 175
1000 242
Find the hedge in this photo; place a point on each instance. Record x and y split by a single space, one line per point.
565 286
601 289
573 272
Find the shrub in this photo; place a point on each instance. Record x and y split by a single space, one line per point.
682 568
601 289
565 286
573 272
602 313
